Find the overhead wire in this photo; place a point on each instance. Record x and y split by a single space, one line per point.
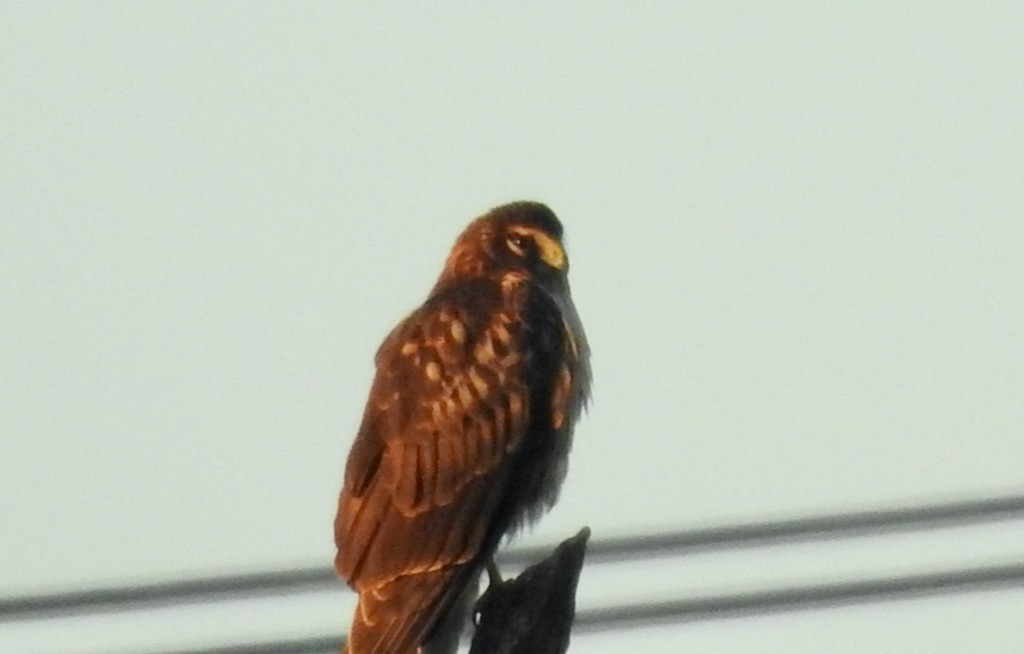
718 607
313 579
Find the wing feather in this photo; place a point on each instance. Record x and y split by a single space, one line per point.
431 463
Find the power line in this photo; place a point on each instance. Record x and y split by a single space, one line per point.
802 598
300 580
125 598
312 645
858 523
787 599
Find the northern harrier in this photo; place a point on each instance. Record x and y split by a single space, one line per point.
466 431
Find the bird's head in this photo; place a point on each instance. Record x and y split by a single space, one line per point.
522 237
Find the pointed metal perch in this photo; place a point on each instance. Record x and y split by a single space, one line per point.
533 613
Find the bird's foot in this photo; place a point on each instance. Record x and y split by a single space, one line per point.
493 574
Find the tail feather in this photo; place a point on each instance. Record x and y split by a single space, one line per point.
396 618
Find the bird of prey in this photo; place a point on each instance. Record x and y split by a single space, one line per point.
466 432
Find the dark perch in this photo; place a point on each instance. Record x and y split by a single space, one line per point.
533 613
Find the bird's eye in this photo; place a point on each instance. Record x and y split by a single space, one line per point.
519 244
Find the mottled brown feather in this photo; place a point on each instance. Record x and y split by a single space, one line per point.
420 492
463 426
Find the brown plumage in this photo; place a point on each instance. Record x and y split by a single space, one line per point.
465 434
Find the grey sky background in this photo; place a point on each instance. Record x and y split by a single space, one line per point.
796 236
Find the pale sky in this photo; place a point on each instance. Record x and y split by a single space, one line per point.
796 236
